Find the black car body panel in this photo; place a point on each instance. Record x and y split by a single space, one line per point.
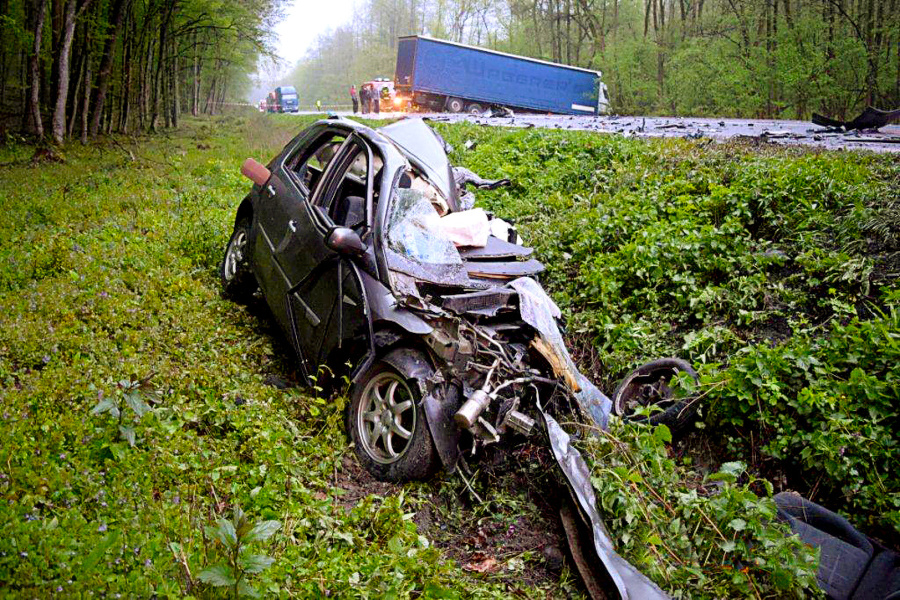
349 250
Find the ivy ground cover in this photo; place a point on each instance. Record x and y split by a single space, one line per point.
138 407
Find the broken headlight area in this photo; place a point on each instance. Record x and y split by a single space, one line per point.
502 352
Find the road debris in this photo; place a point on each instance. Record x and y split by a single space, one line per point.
870 119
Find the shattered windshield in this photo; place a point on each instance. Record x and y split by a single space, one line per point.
414 231
416 244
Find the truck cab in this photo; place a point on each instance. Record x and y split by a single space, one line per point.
287 99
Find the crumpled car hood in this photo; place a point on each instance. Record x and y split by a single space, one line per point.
426 150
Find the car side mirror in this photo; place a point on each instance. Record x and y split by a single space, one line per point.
345 241
255 172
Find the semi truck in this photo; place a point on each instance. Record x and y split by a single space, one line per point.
286 99
438 75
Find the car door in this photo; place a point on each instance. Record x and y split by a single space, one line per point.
325 299
283 224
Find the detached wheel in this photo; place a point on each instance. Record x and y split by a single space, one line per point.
648 385
386 422
455 105
238 281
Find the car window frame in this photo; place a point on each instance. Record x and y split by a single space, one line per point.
338 165
304 148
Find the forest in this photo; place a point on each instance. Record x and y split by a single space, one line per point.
76 68
727 58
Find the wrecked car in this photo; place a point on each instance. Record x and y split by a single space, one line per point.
372 260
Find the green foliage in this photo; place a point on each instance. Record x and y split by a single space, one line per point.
696 538
829 404
232 539
771 270
132 393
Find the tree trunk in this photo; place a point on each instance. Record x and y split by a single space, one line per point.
79 80
157 78
221 98
144 79
176 101
4 9
88 77
195 90
35 104
166 82
62 93
106 62
126 86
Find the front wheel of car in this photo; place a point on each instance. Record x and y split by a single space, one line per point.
238 281
386 424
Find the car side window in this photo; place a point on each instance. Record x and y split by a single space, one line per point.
347 205
347 200
309 163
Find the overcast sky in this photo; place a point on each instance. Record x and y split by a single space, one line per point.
304 21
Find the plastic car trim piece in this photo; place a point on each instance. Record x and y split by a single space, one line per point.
629 582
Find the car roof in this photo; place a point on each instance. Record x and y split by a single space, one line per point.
418 143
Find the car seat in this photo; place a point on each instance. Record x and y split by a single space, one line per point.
851 566
350 211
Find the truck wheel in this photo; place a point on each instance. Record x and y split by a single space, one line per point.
648 385
474 109
455 105
386 423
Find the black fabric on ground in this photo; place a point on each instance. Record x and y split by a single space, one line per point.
882 579
844 552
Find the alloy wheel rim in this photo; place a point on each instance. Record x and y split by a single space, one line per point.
235 255
643 391
387 418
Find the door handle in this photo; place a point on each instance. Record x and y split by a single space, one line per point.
293 225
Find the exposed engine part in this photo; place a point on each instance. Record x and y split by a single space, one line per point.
485 432
469 412
519 422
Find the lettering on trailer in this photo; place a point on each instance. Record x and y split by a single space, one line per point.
475 67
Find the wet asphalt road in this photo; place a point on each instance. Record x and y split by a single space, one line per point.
769 131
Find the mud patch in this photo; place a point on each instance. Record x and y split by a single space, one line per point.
513 537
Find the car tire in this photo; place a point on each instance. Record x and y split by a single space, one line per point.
474 109
386 422
238 281
455 105
648 385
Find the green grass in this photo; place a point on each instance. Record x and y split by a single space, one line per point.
773 270
108 277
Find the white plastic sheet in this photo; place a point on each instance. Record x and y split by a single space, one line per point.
468 228
541 312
